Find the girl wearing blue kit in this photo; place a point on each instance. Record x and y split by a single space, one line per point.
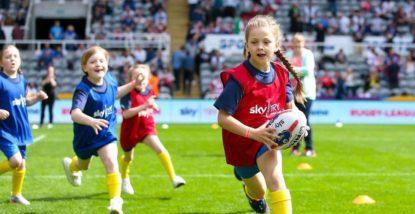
94 115
15 132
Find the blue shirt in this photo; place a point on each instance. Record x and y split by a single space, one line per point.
97 102
228 100
177 59
15 128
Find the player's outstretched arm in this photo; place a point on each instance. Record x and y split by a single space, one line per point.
263 134
125 89
131 112
31 99
97 124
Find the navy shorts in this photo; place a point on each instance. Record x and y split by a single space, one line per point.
250 171
9 149
87 153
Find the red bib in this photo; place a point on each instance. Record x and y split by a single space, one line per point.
259 104
135 129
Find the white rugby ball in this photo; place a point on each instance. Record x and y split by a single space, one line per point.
290 126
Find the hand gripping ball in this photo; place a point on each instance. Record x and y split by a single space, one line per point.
291 127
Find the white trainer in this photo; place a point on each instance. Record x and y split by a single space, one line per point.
74 178
116 205
50 126
178 181
127 187
19 199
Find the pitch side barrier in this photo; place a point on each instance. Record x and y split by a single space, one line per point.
186 111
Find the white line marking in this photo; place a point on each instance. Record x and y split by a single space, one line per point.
350 174
38 138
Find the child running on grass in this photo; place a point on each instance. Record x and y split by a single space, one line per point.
15 132
138 126
94 116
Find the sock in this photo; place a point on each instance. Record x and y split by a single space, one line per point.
125 167
17 181
74 164
4 167
281 202
167 164
114 184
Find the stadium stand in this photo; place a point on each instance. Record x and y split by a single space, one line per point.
136 31
340 75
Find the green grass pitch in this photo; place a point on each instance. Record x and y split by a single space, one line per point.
378 161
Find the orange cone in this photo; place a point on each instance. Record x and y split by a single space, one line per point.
214 126
363 199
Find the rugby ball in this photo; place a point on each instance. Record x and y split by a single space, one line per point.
290 126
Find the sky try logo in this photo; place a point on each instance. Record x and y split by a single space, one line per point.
267 110
104 113
19 101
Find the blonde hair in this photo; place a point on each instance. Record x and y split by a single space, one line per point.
271 23
91 51
143 67
1 56
298 38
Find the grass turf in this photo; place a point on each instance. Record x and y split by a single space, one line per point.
354 160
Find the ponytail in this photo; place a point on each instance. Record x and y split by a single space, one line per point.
298 92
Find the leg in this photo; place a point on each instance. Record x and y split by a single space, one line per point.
50 105
302 108
18 177
5 167
108 155
125 162
270 164
73 167
80 164
254 187
155 144
13 155
19 173
309 138
42 111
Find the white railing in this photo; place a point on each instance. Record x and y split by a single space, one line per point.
143 40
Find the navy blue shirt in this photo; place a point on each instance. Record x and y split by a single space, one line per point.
80 96
97 102
229 99
15 128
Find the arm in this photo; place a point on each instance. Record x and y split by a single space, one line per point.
124 89
31 99
79 117
263 134
131 112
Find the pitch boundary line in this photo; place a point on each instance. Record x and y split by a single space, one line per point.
369 174
39 138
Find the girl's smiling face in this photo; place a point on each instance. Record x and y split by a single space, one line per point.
96 66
